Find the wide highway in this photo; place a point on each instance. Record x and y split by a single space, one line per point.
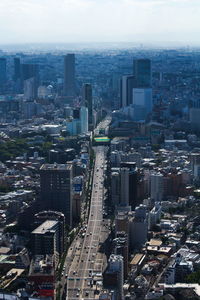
85 273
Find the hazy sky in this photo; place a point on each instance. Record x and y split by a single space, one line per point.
99 21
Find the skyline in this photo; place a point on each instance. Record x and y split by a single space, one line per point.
91 21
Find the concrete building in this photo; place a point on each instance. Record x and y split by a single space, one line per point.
116 266
59 217
45 239
156 182
42 276
124 186
29 89
56 189
115 188
138 227
84 119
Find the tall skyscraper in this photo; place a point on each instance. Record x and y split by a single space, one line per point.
84 119
142 91
69 75
17 69
142 73
30 71
142 101
126 90
156 186
3 73
88 102
56 189
132 182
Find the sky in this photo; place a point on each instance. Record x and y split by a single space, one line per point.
76 21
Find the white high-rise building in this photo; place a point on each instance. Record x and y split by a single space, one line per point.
142 102
156 183
29 88
84 119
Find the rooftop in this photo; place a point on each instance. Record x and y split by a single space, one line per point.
56 167
45 227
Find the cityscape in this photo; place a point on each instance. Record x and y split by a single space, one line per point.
99 151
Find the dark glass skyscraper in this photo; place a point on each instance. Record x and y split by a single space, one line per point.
126 90
56 189
17 69
3 74
30 71
69 75
142 73
88 102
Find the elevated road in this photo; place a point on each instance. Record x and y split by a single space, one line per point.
87 261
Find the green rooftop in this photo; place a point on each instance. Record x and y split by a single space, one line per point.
102 139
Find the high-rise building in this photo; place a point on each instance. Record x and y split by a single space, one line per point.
29 89
142 101
139 227
3 73
142 73
17 69
116 266
46 215
69 75
126 90
84 119
88 102
156 186
132 182
56 189
124 187
115 188
45 239
30 71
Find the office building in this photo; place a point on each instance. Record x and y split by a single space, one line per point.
42 276
84 119
45 239
132 182
69 75
29 89
115 273
46 215
115 188
3 73
30 71
17 69
88 102
124 186
126 90
156 181
138 228
142 102
142 73
56 189
194 114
